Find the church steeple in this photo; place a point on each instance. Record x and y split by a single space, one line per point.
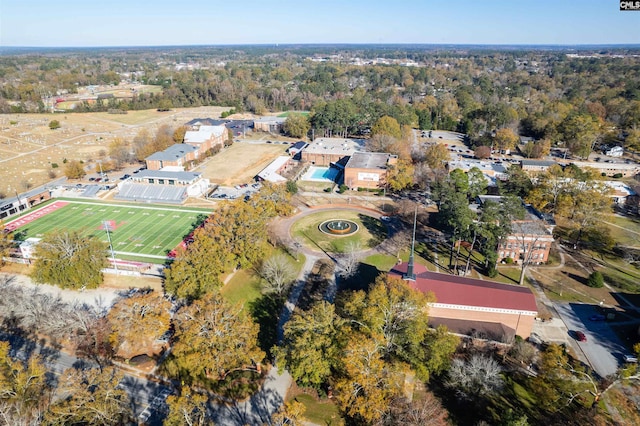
410 275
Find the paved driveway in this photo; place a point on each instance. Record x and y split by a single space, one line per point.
602 349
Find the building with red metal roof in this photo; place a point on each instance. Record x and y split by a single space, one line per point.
467 305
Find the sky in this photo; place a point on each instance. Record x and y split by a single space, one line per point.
88 23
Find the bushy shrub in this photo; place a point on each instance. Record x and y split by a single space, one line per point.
343 188
595 280
508 260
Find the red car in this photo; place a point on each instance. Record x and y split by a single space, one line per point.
580 336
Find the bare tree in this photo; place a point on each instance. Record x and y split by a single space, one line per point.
480 375
523 351
349 263
278 273
426 412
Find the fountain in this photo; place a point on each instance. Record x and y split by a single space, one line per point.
338 227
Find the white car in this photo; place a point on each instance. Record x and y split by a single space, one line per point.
630 358
385 218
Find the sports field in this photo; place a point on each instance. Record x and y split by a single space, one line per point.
138 232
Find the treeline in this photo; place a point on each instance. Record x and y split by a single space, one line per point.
545 95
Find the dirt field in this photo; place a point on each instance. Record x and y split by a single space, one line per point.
28 147
240 162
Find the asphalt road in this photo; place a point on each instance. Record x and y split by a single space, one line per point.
603 349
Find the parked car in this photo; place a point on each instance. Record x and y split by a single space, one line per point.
580 336
630 358
597 317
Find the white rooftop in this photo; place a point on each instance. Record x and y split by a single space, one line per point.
270 173
204 134
335 146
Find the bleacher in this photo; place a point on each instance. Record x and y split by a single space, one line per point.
152 193
90 191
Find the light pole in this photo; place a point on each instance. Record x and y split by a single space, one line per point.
106 225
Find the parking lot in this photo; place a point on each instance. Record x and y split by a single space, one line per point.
231 193
602 348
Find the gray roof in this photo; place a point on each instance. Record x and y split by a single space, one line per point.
174 152
541 163
23 197
160 174
369 160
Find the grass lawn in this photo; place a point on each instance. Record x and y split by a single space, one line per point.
382 262
286 113
371 232
625 231
320 412
244 287
145 233
240 162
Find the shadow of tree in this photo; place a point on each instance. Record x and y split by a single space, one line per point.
265 311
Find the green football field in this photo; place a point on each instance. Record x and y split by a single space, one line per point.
136 231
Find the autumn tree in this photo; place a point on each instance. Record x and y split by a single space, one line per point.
189 408
137 321
70 259
437 156
400 175
74 170
580 133
313 340
289 414
386 126
395 316
90 396
367 384
482 152
6 242
212 340
120 152
297 125
196 270
178 134
24 389
142 145
505 139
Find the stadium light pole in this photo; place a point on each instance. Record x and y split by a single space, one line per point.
106 225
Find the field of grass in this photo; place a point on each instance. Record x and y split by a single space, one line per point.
625 231
320 412
371 231
240 162
143 232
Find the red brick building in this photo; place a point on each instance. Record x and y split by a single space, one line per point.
466 305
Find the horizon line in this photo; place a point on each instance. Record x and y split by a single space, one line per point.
276 44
